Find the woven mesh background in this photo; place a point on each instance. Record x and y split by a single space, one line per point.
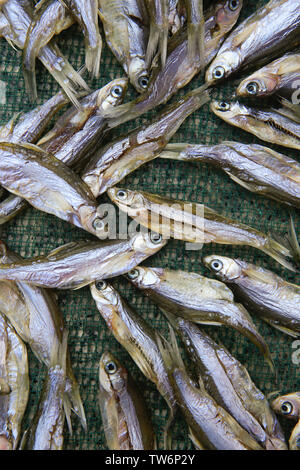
33 233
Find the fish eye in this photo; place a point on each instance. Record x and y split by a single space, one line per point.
98 224
219 72
252 88
101 285
133 274
116 91
223 106
111 367
155 237
143 81
234 4
216 265
286 408
121 194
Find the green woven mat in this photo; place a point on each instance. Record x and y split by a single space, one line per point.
33 233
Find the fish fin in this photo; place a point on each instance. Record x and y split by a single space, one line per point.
279 252
174 151
290 109
93 58
293 241
248 186
77 405
158 40
281 328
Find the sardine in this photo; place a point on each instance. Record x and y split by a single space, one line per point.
136 335
180 68
77 132
15 18
287 405
198 299
254 167
117 159
230 384
86 14
192 222
14 385
76 265
281 76
263 292
46 430
49 20
38 320
267 33
126 27
48 185
276 126
211 426
158 11
294 440
125 417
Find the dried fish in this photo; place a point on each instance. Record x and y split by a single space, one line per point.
269 32
263 292
254 167
198 299
76 265
270 125
158 11
125 417
124 155
193 222
281 76
230 384
294 441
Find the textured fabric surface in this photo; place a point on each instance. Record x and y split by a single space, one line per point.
33 233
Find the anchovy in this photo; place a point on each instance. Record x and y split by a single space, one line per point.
15 19
193 222
198 299
126 27
180 67
263 292
276 126
254 167
280 77
86 14
14 380
124 155
267 33
229 383
76 265
211 426
125 417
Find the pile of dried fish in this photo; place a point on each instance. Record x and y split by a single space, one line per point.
161 46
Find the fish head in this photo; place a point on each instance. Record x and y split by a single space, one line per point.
143 277
226 15
147 242
138 74
112 375
287 405
112 94
229 111
127 200
223 66
225 268
104 294
258 85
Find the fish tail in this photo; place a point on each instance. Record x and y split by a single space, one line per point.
30 83
158 40
279 252
196 42
77 405
293 241
93 58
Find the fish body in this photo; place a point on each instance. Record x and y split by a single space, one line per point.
267 33
125 417
125 24
280 77
294 441
16 18
276 126
75 265
263 292
180 67
48 185
198 299
135 334
229 383
287 405
76 133
211 426
124 155
36 317
254 167
86 14
193 222
14 385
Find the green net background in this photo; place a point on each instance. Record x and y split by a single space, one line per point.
34 233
